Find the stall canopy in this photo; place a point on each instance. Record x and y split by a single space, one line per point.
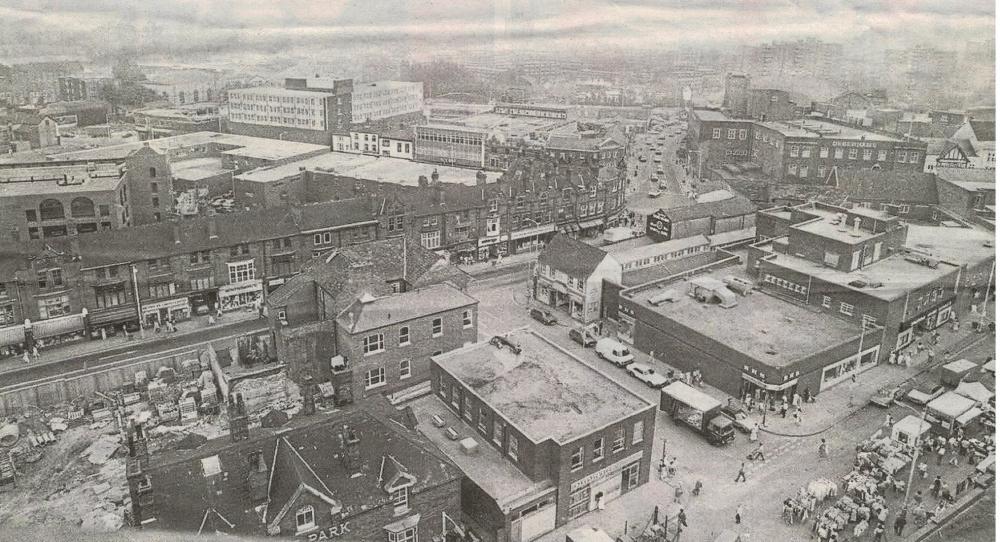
909 428
954 372
991 366
950 405
968 416
975 391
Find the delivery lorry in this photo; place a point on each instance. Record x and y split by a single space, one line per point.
701 412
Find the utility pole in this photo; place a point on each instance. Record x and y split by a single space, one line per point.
916 453
138 304
986 296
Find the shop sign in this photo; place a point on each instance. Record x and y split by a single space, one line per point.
865 144
487 242
239 288
606 472
275 282
331 532
769 387
659 225
179 303
520 234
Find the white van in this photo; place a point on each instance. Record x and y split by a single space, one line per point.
614 351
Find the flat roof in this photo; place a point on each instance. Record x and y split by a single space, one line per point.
897 275
544 391
626 254
487 468
838 232
380 168
765 323
280 91
456 127
711 115
197 169
278 148
33 181
828 130
955 245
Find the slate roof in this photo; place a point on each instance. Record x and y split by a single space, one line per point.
734 206
985 130
889 186
309 451
966 175
364 315
162 240
571 256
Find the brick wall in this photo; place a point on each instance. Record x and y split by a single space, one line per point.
316 137
144 168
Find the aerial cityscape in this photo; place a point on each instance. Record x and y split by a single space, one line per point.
498 271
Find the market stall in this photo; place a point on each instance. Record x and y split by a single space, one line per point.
975 391
953 373
953 409
909 429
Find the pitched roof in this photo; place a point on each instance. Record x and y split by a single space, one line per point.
309 453
985 130
734 206
366 314
966 175
571 256
890 186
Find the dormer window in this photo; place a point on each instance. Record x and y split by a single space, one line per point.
305 519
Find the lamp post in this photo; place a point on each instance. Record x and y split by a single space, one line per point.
986 296
138 304
916 453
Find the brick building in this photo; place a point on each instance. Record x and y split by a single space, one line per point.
859 264
360 474
706 218
304 314
553 438
449 144
75 286
766 104
967 192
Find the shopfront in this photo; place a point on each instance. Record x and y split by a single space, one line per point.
925 321
59 330
756 386
530 239
241 295
178 310
840 371
591 228
594 490
464 252
11 340
491 247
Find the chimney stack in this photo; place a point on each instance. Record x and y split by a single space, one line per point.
239 424
308 396
857 226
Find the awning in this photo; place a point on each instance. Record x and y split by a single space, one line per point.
574 227
114 315
11 335
592 223
951 405
57 326
770 387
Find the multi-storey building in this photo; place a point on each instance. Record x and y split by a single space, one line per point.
392 143
449 144
382 100
358 474
863 265
83 87
283 113
803 151
737 94
161 122
85 283
311 316
575 439
181 86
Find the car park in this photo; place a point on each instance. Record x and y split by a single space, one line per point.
647 375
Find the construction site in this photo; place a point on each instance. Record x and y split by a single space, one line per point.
64 465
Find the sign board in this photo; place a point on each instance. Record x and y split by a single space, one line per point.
865 144
658 226
606 472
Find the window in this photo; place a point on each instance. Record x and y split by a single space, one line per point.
31 215
164 289
914 157
203 283
900 157
409 535
305 517
824 152
637 430
716 133
826 302
404 369
400 498
466 319
743 134
152 172
375 378
156 201
806 152
868 321
512 447
579 502
731 133
241 271
821 171
576 460
109 297
437 328
51 209
53 307
431 239
598 450
866 154
154 188
881 156
57 278
846 309
498 427
374 343
792 169
793 150
618 444
838 153
404 335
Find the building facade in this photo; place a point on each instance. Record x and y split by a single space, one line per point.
382 100
449 144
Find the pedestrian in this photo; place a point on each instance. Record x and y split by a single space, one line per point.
796 399
753 432
900 523
125 332
923 470
682 519
739 513
930 355
798 417
742 475
758 453
784 409
156 325
824 448
672 467
918 499
940 455
218 311
878 535
211 320
104 334
34 351
937 484
26 358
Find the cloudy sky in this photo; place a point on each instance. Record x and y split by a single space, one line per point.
177 27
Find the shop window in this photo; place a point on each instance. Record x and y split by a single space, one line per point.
579 502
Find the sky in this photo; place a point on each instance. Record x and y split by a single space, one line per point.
179 27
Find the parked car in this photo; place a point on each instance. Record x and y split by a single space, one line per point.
655 193
647 374
614 351
544 316
642 158
582 336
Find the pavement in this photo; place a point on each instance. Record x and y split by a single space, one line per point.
94 353
840 414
